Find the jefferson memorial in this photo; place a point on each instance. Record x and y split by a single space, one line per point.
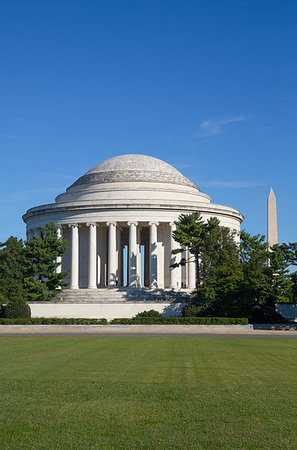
118 219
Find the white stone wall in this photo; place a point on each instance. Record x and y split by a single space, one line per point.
107 311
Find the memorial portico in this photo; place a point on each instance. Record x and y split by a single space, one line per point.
119 220
142 255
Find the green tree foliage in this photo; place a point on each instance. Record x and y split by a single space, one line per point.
233 280
16 308
257 289
203 241
150 313
209 244
41 281
282 282
189 233
11 268
284 257
222 273
289 252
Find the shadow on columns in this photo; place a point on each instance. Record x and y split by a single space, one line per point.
112 281
153 266
133 271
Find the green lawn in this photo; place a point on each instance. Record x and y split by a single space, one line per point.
148 393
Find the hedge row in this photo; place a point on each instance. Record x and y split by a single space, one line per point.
134 321
52 321
181 321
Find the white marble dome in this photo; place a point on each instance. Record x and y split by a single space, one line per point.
131 187
137 178
133 168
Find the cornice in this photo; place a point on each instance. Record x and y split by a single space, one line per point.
73 207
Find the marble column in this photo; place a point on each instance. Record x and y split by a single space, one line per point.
74 256
92 267
191 284
153 255
175 272
119 256
132 254
139 258
59 258
112 262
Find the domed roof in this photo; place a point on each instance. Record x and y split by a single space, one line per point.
133 168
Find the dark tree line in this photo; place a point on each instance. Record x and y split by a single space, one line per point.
28 269
235 280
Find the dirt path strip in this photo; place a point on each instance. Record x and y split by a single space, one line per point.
127 328
140 330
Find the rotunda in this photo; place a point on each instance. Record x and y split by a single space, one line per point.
118 219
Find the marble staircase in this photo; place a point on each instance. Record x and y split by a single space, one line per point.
118 295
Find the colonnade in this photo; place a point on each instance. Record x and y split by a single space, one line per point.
175 274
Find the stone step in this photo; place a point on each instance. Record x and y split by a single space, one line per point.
120 295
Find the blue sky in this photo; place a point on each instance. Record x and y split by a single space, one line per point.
209 87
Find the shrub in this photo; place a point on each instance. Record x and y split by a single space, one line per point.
127 321
191 310
150 313
51 321
180 321
15 308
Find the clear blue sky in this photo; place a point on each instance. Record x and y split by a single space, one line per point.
208 86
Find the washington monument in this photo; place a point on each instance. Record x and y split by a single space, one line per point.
272 220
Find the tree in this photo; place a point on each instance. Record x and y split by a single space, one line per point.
257 290
11 268
282 281
289 252
207 242
41 280
219 250
283 258
236 281
294 287
190 230
217 294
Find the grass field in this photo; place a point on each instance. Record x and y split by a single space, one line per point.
148 393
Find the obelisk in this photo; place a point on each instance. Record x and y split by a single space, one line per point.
272 220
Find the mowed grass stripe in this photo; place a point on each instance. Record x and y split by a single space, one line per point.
157 393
